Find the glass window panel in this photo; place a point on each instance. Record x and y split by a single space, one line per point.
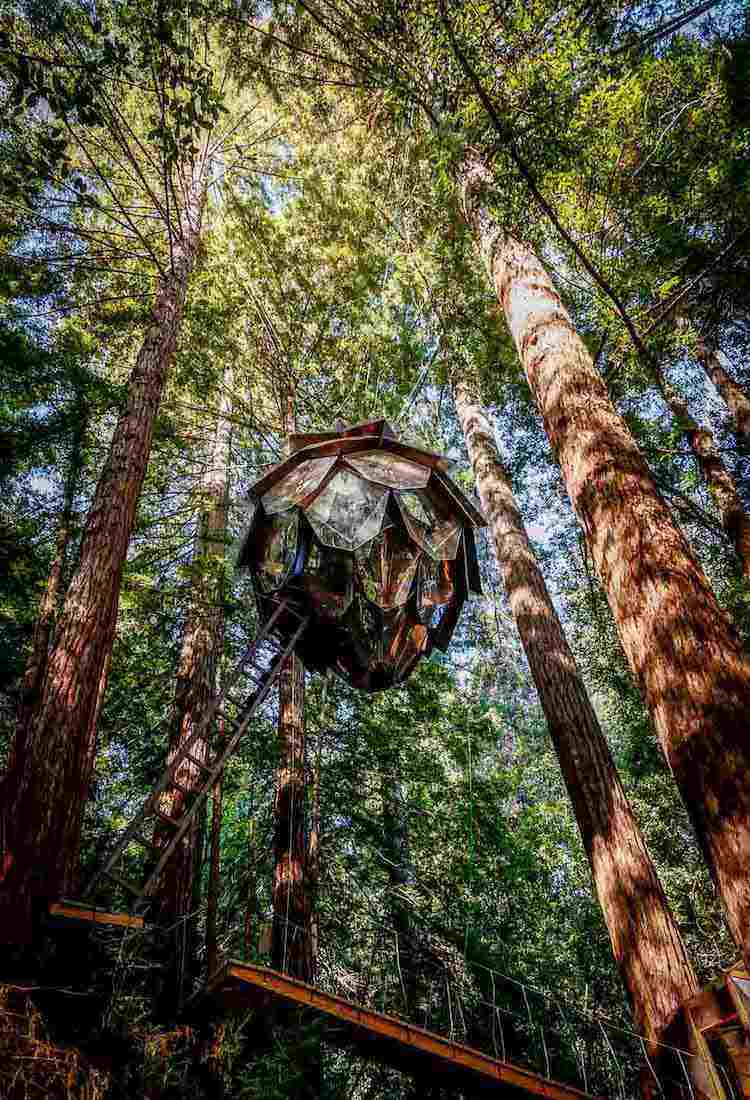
348 511
275 549
328 580
386 567
403 641
444 623
431 526
435 588
297 484
395 627
389 469
413 645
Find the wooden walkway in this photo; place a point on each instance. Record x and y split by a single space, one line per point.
78 913
238 985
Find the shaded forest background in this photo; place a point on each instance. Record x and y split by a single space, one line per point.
333 262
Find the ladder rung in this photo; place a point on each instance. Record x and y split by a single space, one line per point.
165 818
125 883
206 765
181 787
292 609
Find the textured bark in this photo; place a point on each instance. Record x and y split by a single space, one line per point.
683 652
42 815
291 950
735 398
719 481
400 871
312 861
202 640
251 903
214 873
36 665
645 939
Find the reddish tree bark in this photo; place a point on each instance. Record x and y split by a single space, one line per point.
42 814
37 662
251 902
682 649
312 860
735 397
719 481
214 873
291 947
400 871
646 941
178 893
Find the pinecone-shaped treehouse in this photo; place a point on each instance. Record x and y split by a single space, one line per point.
372 537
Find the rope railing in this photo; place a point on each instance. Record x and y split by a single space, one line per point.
506 1019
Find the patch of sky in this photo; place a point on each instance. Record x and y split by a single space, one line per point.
721 18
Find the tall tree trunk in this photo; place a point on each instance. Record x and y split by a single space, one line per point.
291 949
37 662
396 853
735 397
251 925
645 940
214 873
42 815
312 860
718 479
682 649
202 640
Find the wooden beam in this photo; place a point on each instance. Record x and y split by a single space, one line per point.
237 983
739 996
89 914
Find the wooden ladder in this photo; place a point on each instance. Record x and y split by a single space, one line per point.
147 826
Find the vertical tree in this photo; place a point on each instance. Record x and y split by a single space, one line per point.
291 949
132 169
645 939
200 652
733 395
37 661
42 815
400 872
682 650
214 872
718 479
312 856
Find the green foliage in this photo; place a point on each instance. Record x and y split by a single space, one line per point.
335 263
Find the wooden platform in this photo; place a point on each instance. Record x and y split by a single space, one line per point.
715 1027
78 912
238 985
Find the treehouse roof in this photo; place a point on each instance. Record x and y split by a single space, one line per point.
373 538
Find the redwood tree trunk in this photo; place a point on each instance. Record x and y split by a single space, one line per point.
291 949
719 481
735 398
202 640
684 654
400 877
37 663
214 874
312 860
645 940
42 815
